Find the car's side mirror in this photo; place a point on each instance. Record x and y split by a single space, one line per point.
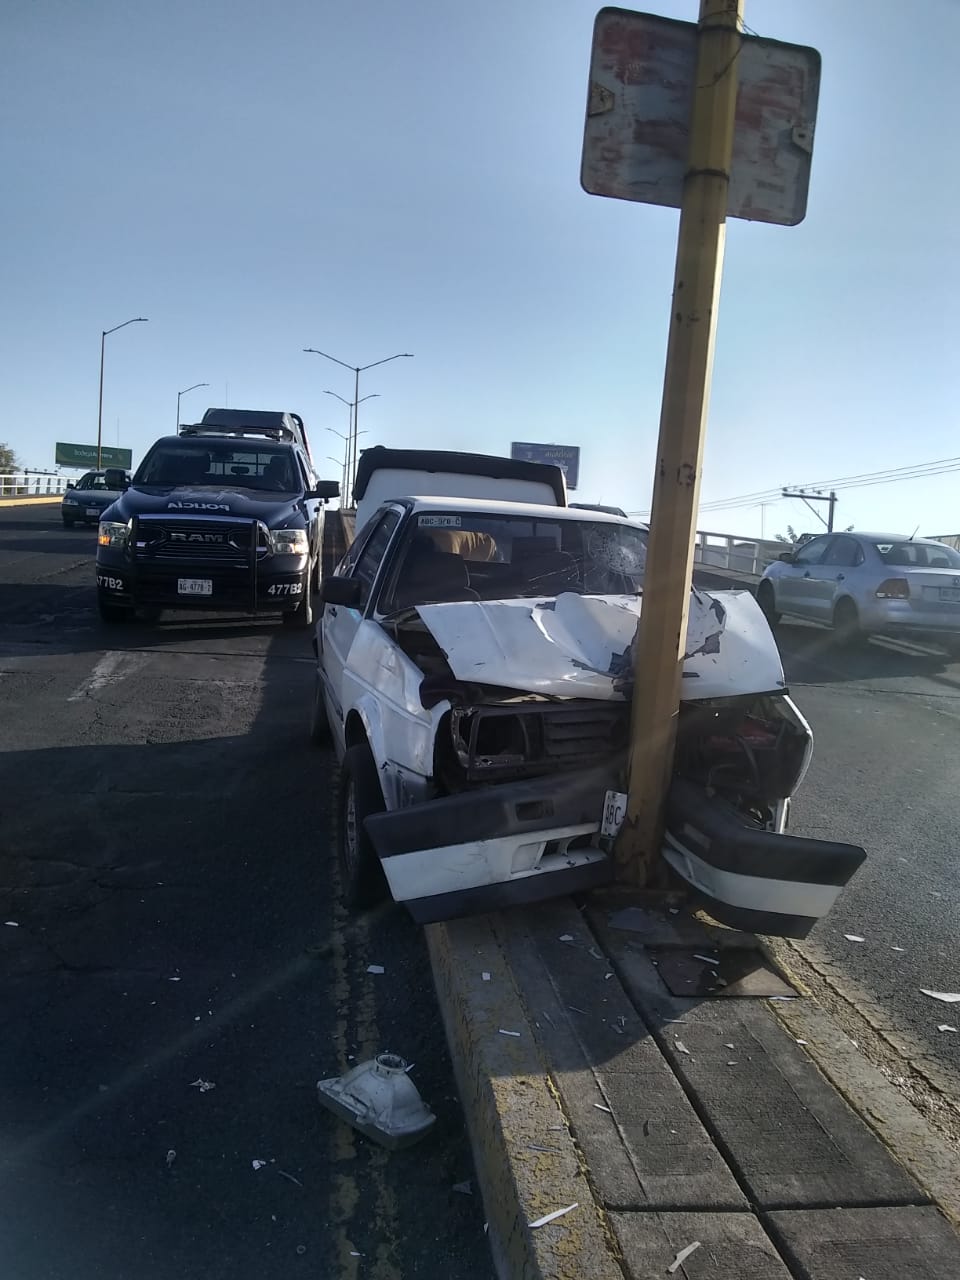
115 478
787 557
325 490
345 591
71 485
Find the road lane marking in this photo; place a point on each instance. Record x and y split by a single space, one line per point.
112 667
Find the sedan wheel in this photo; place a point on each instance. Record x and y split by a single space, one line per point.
362 879
846 622
767 601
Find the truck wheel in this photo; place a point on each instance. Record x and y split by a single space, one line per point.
767 601
113 614
302 616
362 878
319 723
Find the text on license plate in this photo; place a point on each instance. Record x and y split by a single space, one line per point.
195 586
614 812
92 511
950 593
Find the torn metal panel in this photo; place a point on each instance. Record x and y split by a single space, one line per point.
581 646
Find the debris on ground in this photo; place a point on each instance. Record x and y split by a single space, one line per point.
258 1164
375 968
854 937
948 997
290 1178
171 1156
379 1100
203 1085
484 976
945 1026
682 1256
464 1188
681 1047
566 937
601 1107
510 1033
551 1217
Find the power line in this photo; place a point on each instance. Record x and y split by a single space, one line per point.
861 480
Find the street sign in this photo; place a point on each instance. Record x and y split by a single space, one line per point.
85 455
636 138
564 456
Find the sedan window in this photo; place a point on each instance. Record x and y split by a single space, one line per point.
845 553
919 555
811 552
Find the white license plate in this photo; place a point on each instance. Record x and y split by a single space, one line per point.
950 593
614 812
93 511
195 586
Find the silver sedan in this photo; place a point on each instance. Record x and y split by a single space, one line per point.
869 584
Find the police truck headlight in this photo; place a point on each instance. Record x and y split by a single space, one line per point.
289 542
111 534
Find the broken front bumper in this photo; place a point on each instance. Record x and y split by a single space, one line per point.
527 841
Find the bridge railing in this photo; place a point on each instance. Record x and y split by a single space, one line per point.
742 556
32 484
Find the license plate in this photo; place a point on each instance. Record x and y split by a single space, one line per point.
950 593
614 812
195 586
93 511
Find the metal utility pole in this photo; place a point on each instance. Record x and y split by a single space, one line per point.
659 647
357 370
830 498
183 393
103 339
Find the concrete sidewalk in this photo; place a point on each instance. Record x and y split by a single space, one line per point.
655 1073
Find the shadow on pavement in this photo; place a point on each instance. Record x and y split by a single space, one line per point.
176 921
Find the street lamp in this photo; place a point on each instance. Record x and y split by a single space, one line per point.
357 370
183 393
103 339
347 438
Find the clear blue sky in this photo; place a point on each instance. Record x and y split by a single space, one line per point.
377 177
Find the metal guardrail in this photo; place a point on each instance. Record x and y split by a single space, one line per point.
31 484
749 556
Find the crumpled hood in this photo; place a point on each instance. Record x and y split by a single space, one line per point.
582 646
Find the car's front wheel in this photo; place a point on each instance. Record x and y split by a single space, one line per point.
361 796
767 600
113 613
302 616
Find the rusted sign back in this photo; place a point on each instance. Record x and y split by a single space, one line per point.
638 113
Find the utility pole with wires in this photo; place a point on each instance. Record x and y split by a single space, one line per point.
830 498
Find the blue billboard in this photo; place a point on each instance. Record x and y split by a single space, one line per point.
564 456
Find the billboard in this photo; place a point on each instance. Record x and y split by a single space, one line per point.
564 456
85 455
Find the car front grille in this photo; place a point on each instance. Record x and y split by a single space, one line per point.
175 541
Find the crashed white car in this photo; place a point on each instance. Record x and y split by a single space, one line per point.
475 661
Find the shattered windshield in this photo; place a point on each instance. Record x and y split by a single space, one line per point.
219 464
462 556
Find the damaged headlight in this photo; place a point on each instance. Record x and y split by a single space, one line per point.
289 542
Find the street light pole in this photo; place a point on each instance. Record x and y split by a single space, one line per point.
183 393
357 370
103 340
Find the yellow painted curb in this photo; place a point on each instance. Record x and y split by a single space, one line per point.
25 500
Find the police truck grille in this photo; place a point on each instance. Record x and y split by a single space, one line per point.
180 540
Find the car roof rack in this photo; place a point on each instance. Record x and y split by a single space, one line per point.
239 431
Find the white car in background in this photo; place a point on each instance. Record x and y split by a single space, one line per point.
865 584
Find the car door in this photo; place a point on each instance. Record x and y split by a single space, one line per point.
795 586
835 575
339 623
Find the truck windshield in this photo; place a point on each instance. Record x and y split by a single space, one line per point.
462 556
223 464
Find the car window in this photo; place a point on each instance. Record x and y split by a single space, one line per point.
811 552
220 462
466 556
844 553
372 554
919 555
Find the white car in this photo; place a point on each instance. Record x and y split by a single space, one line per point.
474 667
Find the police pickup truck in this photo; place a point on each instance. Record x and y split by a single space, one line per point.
219 518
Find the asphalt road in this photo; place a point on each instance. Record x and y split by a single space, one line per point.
169 916
886 775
